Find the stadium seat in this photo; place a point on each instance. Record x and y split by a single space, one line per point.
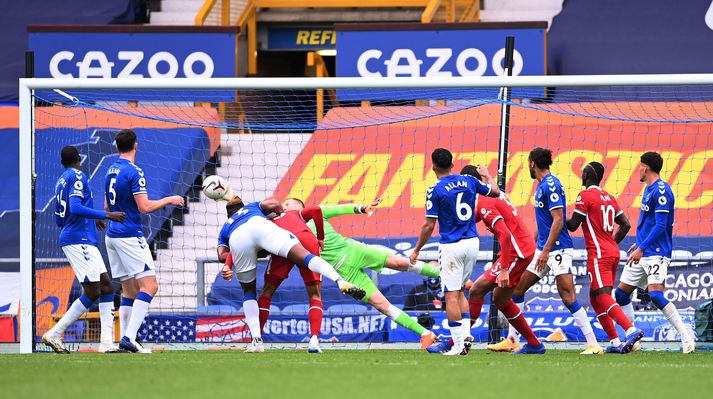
346 309
300 308
222 310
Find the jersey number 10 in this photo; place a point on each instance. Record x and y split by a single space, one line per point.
608 215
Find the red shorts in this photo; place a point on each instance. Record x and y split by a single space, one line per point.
516 269
602 272
279 268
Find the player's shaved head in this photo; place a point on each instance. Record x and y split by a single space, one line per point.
234 205
653 160
125 141
442 159
471 170
70 156
592 174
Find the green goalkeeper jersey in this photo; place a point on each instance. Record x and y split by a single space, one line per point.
335 244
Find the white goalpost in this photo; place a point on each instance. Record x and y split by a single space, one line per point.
371 142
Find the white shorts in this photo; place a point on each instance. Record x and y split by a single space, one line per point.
252 236
86 261
560 262
129 257
457 260
649 270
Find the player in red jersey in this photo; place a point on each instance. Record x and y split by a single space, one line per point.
517 249
279 268
597 212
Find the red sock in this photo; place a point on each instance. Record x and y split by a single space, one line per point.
604 319
315 316
263 303
517 320
614 311
475 305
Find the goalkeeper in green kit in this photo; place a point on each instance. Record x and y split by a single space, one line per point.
350 257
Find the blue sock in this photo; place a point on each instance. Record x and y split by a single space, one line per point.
658 299
454 324
85 301
126 301
622 298
518 298
106 298
249 296
574 307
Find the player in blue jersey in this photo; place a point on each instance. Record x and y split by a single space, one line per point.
554 248
129 255
650 256
248 231
452 201
78 220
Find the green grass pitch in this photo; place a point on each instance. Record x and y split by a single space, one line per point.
355 375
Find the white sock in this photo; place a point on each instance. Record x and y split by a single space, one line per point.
630 330
582 320
393 312
457 333
124 314
79 306
513 334
252 317
674 318
417 268
106 317
628 311
319 265
465 327
615 342
138 314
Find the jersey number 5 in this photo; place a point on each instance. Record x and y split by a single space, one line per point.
112 192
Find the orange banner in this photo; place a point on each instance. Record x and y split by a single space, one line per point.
143 117
391 160
51 295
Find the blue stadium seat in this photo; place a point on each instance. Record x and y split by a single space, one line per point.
300 308
220 310
346 309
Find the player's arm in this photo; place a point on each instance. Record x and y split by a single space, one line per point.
271 207
490 189
574 222
314 213
330 211
223 252
659 228
146 205
580 212
624 227
427 228
504 236
429 224
76 207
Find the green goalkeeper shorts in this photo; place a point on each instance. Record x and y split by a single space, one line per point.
355 259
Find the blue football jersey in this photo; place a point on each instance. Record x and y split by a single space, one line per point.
658 198
75 229
548 196
452 201
239 218
123 181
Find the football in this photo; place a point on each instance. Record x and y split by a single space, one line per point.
215 187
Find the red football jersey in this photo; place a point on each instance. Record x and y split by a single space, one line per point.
491 209
296 221
599 210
